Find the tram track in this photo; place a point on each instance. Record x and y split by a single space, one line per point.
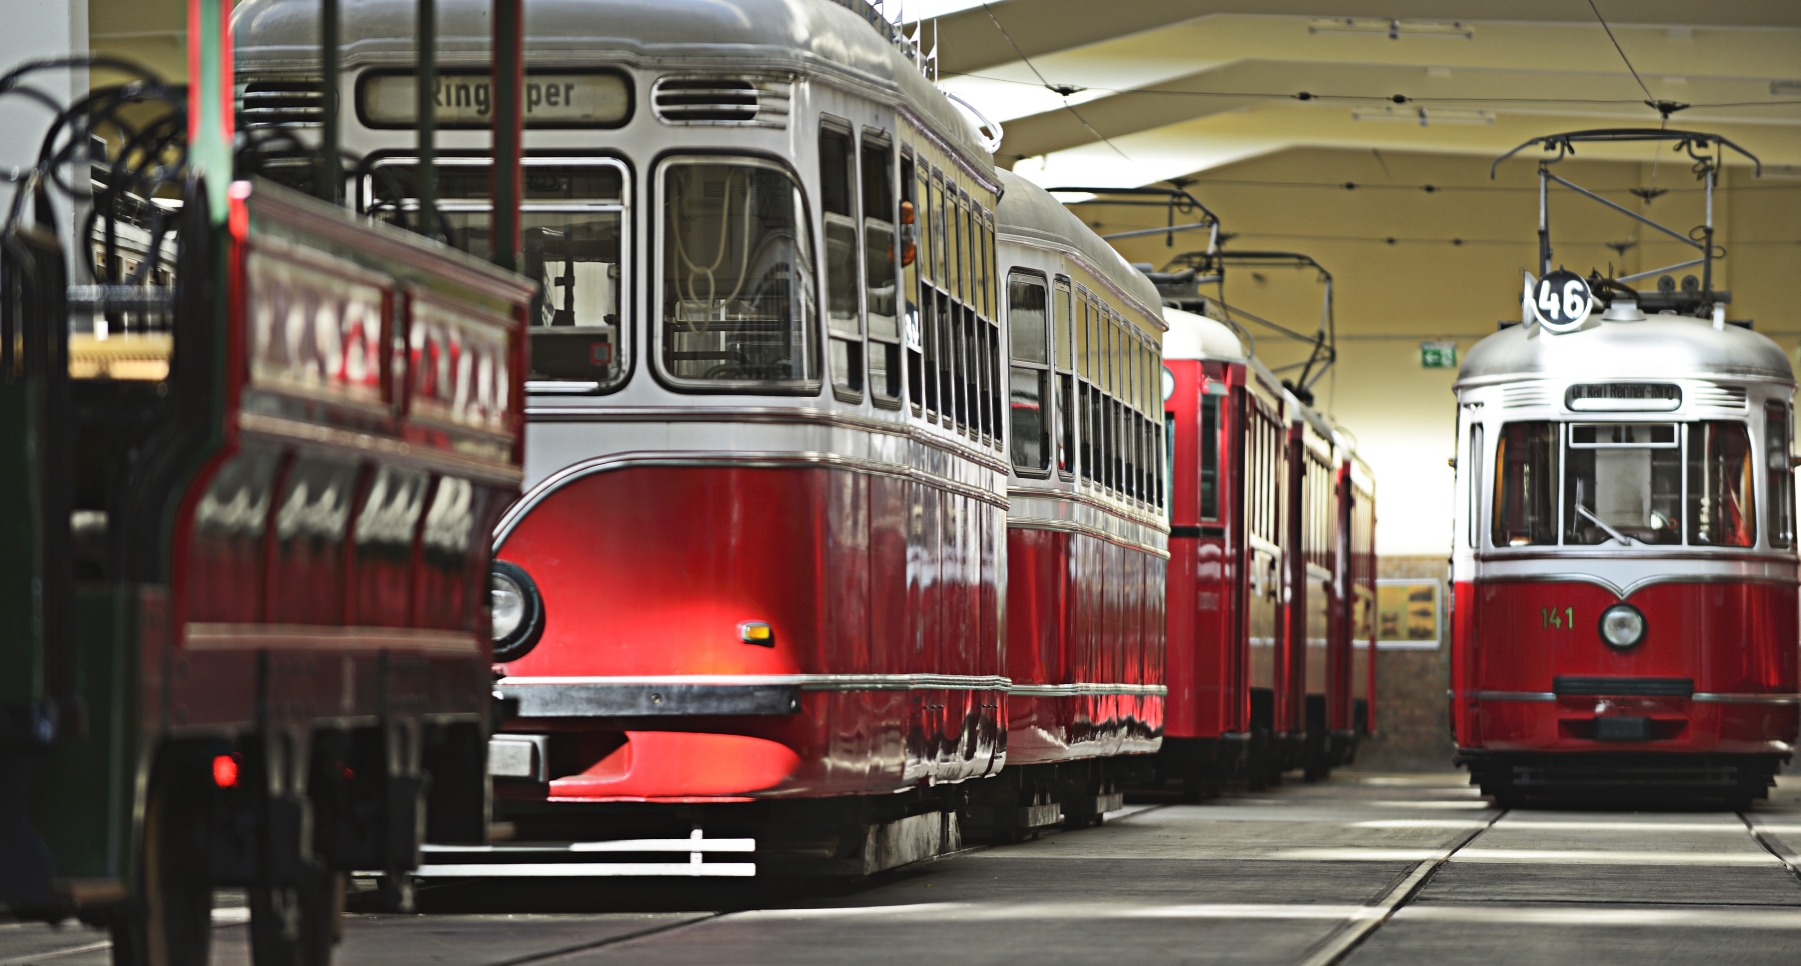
1360 927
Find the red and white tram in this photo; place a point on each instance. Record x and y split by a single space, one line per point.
1086 531
760 570
1271 592
1625 561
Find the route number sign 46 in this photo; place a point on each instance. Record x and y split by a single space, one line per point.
1561 301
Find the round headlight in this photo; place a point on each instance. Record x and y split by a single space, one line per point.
1622 626
516 611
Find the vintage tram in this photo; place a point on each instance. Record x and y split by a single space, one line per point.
1625 561
252 482
1086 529
759 581
1271 592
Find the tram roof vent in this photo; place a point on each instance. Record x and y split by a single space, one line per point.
287 103
1718 397
1522 396
760 101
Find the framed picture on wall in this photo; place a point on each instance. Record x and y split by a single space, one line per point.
1408 613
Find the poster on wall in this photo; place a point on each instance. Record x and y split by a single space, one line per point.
1407 614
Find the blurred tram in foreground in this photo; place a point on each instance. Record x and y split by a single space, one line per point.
243 577
782 452
1271 594
1625 561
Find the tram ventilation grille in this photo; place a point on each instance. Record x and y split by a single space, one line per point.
287 103
1516 397
758 101
1718 397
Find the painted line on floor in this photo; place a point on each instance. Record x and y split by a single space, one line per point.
1730 917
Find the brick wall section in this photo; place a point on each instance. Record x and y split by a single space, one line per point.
1412 723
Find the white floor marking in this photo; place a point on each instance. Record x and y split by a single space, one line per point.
1715 917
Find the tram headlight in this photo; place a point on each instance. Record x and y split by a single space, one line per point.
1622 626
516 611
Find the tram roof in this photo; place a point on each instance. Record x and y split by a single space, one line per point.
1667 346
1193 336
815 37
1029 212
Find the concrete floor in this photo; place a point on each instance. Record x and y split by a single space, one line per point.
1316 874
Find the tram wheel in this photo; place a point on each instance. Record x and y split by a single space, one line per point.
172 924
297 925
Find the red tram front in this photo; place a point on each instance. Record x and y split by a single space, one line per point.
1625 561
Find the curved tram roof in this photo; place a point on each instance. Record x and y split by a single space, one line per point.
1661 346
1029 213
814 37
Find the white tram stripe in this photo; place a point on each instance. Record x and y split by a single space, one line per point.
855 682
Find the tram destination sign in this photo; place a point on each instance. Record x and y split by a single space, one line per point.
389 99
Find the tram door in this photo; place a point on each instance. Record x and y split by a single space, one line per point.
1264 448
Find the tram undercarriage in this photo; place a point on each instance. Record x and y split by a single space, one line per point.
1515 778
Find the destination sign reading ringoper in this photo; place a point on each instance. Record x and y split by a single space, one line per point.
389 100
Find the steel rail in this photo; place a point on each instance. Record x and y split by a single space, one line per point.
1353 933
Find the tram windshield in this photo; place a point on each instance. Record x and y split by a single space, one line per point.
1636 484
737 286
1622 480
569 227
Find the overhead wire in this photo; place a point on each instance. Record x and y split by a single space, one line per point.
1312 96
1063 91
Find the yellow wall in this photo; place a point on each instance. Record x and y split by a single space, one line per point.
1424 286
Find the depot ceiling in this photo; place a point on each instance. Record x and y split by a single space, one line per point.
1155 89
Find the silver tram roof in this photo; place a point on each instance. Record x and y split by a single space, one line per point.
1660 347
813 37
1029 212
1193 336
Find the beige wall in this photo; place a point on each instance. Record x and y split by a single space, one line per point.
1425 286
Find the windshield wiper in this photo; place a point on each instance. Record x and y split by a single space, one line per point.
1617 535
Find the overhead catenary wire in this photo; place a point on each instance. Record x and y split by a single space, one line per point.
1388 98
1063 91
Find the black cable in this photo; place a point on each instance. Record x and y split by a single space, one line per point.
1616 46
1063 91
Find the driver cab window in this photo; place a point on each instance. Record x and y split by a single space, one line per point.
570 223
1623 480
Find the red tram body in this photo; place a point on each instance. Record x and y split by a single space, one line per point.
1271 593
1638 469
1086 535
791 560
1624 561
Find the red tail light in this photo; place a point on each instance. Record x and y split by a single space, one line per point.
225 771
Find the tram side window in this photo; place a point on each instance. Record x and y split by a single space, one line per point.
837 202
1209 457
880 285
1474 523
1721 510
915 261
1778 462
570 231
1029 378
1062 333
1622 480
1526 485
737 279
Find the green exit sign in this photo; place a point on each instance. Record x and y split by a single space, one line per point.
1438 355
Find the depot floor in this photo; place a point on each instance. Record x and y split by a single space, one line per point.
1353 870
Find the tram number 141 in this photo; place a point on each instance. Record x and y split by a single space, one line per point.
1557 618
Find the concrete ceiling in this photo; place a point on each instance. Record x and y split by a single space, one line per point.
1155 89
